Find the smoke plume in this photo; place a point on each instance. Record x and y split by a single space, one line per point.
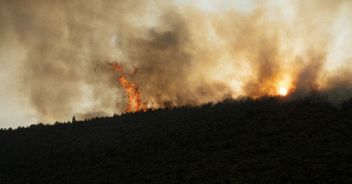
185 53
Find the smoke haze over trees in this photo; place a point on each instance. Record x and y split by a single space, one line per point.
56 55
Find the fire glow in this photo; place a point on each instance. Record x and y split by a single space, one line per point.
282 91
131 89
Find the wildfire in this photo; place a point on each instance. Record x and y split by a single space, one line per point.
282 91
131 89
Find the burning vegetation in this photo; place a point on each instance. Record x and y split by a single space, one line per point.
131 89
187 53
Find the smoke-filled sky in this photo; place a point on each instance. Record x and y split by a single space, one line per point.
55 56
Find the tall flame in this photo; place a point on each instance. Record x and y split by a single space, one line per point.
131 89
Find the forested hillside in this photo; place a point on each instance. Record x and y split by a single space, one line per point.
268 140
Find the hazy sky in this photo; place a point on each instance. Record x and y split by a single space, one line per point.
55 55
13 109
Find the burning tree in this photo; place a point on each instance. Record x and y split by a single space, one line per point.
131 89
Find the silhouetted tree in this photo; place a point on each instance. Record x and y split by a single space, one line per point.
73 119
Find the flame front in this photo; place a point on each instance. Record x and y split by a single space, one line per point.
131 89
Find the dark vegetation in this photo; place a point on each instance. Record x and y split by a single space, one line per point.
242 141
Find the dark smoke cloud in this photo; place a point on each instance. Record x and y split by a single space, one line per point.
185 54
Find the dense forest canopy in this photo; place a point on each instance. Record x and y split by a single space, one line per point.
236 141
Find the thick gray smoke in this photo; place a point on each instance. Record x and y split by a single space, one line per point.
186 53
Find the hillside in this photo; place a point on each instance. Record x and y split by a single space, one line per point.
242 141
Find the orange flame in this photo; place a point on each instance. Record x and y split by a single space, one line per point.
131 89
